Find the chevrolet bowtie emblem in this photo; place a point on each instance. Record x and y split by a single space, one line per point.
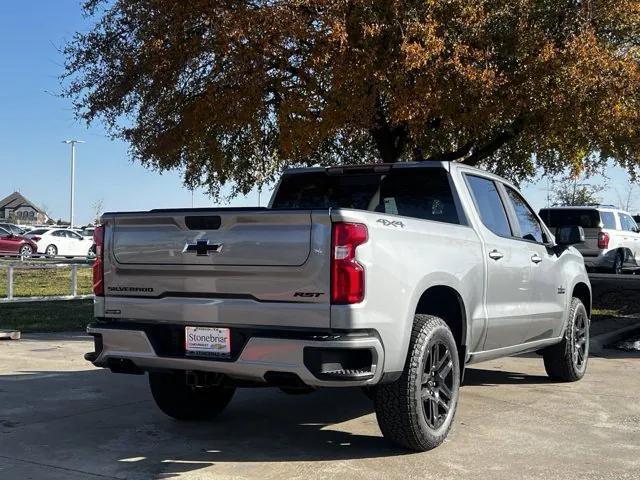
202 248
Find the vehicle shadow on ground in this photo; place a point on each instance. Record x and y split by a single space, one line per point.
108 423
481 377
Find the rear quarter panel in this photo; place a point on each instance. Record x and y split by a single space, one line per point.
401 263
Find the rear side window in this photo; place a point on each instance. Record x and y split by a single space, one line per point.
411 192
530 228
608 220
562 217
489 205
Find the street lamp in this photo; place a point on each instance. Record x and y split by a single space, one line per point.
73 176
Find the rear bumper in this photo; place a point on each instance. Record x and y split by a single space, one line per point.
260 355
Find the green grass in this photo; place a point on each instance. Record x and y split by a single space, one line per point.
616 303
36 282
52 316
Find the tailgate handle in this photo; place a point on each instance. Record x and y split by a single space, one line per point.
203 222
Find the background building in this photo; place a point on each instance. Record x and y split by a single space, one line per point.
17 209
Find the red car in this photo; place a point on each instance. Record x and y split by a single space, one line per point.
11 244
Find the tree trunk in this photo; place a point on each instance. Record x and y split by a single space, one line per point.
390 141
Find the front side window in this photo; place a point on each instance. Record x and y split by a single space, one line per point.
489 205
628 224
530 228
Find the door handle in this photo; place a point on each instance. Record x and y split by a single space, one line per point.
535 258
495 254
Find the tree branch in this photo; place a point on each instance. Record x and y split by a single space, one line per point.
493 145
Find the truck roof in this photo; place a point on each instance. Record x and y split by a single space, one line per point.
380 167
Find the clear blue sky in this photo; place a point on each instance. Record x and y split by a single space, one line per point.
34 121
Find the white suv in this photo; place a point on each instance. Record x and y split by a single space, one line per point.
612 238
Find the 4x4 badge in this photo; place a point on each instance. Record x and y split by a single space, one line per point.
391 223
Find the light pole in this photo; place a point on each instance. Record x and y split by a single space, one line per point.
73 176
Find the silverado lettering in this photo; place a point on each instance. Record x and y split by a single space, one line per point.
130 289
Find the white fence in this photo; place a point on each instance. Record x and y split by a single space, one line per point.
22 265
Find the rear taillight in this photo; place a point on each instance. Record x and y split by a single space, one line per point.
35 239
347 275
603 240
98 264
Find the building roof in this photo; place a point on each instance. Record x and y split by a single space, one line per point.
16 200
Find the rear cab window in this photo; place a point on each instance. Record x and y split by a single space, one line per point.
563 217
423 193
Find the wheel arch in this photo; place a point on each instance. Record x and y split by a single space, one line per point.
582 291
446 302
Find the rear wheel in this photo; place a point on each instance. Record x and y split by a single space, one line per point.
618 262
567 360
51 251
185 402
416 411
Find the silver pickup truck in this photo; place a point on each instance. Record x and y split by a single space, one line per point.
388 277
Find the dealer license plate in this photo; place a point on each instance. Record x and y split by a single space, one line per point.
207 341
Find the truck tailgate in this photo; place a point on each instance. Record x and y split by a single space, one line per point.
248 238
219 266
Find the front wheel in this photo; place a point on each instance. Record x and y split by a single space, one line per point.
181 401
416 411
26 251
567 360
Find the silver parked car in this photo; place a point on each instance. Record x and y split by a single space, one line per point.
388 277
612 237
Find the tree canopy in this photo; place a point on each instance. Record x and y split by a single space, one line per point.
232 91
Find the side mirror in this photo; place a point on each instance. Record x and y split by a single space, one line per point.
569 235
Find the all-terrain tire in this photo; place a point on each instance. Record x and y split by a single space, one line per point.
184 402
618 263
563 361
402 414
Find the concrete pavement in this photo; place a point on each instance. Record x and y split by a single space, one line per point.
62 419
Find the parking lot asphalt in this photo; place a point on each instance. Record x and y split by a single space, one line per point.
60 418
